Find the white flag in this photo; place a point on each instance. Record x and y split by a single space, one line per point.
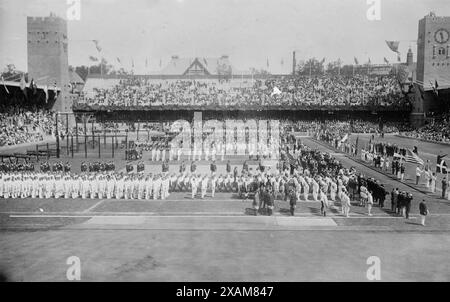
275 91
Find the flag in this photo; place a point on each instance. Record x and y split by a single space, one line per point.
356 61
23 85
4 85
323 61
267 62
33 86
132 63
386 61
93 59
160 63
369 62
442 167
275 91
46 93
146 62
411 157
435 87
118 60
344 139
393 45
440 163
99 49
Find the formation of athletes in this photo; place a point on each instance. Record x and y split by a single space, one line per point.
302 174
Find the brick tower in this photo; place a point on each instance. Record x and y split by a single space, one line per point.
48 56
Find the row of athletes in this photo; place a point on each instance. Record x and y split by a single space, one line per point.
258 151
141 186
16 167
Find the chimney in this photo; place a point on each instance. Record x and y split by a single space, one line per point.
294 63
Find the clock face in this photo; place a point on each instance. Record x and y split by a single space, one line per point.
441 36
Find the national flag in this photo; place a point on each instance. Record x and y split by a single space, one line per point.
442 167
440 162
411 157
46 93
4 85
356 61
435 87
275 91
33 86
344 139
386 61
93 59
23 85
393 45
99 49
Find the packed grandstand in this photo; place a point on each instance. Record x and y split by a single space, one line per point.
278 92
35 122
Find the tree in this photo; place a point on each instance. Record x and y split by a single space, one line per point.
311 67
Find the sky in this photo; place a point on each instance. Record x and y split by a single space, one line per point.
250 32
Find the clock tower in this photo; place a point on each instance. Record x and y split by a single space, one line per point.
433 52
433 66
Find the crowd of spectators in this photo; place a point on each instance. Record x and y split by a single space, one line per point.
19 125
323 91
436 131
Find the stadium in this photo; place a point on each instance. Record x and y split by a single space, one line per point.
201 170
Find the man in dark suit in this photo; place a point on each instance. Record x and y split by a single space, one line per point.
292 201
213 167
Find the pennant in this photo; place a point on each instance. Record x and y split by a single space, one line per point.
99 49
4 85
393 45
